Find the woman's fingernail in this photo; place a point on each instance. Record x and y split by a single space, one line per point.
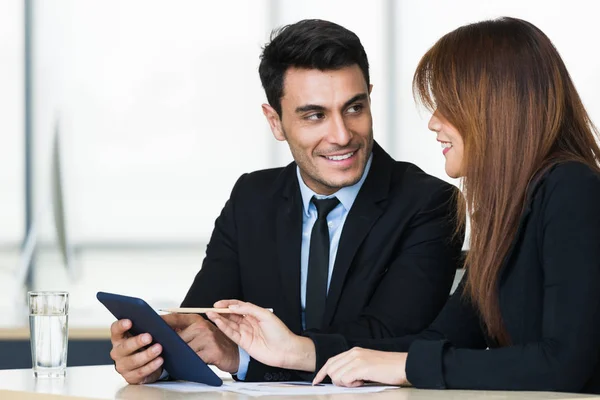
234 307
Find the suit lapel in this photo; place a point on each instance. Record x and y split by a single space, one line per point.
288 228
365 211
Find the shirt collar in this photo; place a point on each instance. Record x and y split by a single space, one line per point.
345 195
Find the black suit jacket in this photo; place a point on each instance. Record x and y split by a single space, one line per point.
394 266
549 293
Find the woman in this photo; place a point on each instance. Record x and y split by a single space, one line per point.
527 314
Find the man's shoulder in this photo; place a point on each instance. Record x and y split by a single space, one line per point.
264 176
406 175
265 182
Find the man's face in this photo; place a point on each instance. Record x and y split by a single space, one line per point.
326 120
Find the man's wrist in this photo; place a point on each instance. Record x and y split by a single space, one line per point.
302 356
235 364
244 361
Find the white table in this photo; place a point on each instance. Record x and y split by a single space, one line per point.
102 382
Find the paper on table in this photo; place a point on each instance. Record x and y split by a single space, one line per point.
298 389
188 387
256 389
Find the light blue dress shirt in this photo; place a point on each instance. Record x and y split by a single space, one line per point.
335 220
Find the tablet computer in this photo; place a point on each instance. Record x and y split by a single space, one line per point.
180 361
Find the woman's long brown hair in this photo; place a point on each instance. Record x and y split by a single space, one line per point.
503 85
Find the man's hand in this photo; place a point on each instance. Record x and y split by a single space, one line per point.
211 345
264 336
136 363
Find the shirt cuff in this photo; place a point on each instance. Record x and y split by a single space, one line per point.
243 366
164 375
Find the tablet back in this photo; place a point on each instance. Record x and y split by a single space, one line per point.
179 359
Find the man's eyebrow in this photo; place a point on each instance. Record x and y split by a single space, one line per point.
309 107
316 107
358 97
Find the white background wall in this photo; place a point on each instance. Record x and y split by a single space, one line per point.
11 142
159 108
11 121
159 104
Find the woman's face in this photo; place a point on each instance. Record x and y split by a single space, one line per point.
451 141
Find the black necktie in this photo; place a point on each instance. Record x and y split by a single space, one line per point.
318 264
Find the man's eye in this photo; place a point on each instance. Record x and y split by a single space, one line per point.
355 108
315 116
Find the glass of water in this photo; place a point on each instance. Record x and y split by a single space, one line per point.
48 332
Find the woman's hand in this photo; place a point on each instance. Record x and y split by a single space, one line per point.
264 337
357 365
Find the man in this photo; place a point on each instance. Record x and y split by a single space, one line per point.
343 240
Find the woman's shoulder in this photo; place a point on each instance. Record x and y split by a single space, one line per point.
570 183
570 176
571 170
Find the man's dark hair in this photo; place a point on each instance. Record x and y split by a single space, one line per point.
312 44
